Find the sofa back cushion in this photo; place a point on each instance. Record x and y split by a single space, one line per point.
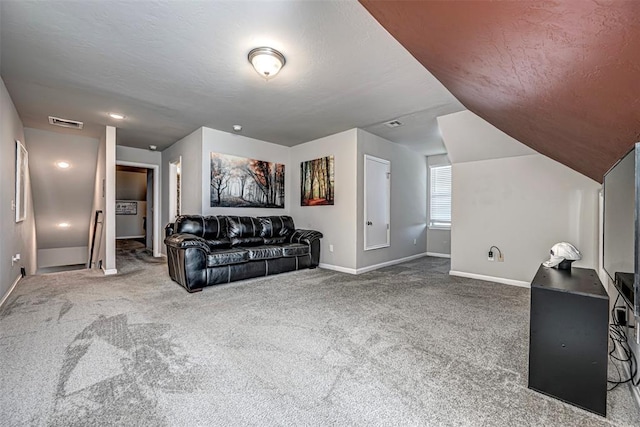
276 226
207 227
243 226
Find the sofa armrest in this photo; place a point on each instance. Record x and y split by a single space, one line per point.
311 238
168 229
305 236
186 240
187 260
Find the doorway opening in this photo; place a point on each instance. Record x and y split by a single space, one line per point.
175 189
137 206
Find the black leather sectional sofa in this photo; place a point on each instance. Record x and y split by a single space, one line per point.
208 250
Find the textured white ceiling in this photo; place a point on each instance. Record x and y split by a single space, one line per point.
470 138
173 66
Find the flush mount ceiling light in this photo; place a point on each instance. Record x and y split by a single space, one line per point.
64 225
117 116
266 61
63 164
237 128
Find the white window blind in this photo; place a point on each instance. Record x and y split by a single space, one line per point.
440 197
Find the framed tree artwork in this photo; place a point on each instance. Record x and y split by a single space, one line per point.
240 182
22 174
317 182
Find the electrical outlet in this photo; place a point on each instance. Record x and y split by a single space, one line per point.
415 241
490 256
15 259
500 257
330 248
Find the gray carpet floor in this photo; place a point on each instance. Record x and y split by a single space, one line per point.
406 345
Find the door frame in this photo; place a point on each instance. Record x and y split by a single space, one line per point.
364 179
156 201
174 188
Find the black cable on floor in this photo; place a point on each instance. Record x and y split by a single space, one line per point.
618 338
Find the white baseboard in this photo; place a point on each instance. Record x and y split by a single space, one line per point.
337 268
6 296
110 271
502 280
388 263
439 255
370 267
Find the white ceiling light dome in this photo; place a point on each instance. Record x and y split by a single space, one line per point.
267 61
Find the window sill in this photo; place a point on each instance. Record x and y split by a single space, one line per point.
439 227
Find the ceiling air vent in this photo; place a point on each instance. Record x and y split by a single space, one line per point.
56 121
393 124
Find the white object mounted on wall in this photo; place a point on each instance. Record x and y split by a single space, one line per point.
22 175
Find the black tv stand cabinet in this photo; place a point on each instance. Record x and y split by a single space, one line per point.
568 337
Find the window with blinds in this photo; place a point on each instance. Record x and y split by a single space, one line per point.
440 197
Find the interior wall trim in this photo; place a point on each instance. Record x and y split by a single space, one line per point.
370 267
388 263
438 255
337 268
6 296
110 271
502 280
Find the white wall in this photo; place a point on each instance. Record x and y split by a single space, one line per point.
521 202
190 148
337 222
523 205
110 204
99 204
438 240
132 226
104 199
138 155
16 237
131 185
62 256
408 201
470 138
61 195
237 145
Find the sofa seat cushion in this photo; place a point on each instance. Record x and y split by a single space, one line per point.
227 256
295 249
264 252
247 241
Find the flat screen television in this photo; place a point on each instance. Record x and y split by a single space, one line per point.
621 251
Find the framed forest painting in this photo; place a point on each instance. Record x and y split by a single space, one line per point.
316 182
240 182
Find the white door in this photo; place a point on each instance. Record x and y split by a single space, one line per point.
377 202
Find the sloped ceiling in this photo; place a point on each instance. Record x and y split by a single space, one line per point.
562 77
